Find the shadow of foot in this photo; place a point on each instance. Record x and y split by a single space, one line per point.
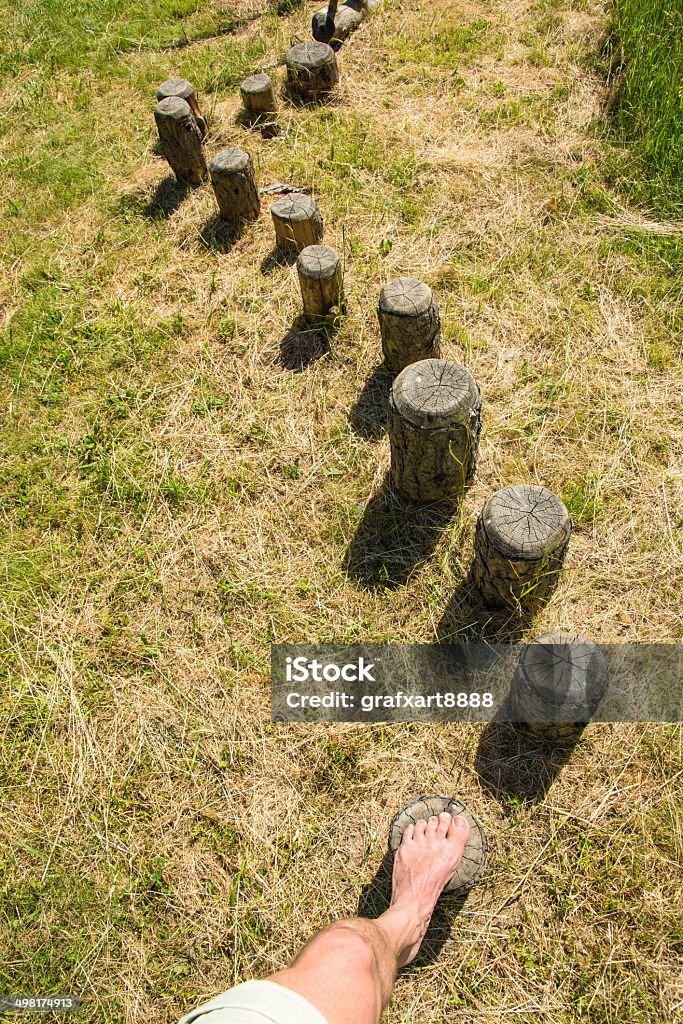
220 235
393 538
370 413
307 340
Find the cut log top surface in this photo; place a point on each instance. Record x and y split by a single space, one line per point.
564 666
256 83
319 261
435 393
295 208
229 161
173 106
526 521
175 87
310 55
406 296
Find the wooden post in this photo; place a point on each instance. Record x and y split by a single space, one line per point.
298 222
258 97
312 71
232 177
409 323
182 88
473 864
434 426
559 681
333 24
321 280
181 140
520 545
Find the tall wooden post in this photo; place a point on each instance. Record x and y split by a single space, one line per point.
181 140
234 184
182 88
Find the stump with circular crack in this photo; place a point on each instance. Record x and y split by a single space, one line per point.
558 684
520 544
409 323
232 177
182 88
312 71
298 222
434 427
181 140
321 280
258 97
473 864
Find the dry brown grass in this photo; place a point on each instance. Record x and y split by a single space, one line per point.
162 837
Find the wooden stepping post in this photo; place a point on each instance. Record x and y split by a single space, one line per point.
182 88
321 280
520 545
473 864
232 177
298 222
181 140
559 681
409 323
335 23
258 97
434 427
312 71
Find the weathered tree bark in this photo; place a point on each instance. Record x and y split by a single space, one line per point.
321 280
298 222
333 24
434 427
520 545
181 140
258 97
312 71
409 323
473 864
558 684
182 88
232 177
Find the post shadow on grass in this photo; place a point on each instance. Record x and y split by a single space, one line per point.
308 339
394 537
375 898
166 198
277 258
220 235
265 124
369 415
467 616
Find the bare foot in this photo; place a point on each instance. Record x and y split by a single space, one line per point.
425 862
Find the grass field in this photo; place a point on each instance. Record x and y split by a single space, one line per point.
180 487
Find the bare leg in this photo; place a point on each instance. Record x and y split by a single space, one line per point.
347 971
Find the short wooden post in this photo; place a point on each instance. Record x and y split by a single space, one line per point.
181 140
298 222
182 88
321 280
335 23
409 323
520 544
312 71
558 684
258 97
232 177
473 864
434 427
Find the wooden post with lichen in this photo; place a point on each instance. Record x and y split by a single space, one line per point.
409 323
181 141
182 88
434 427
520 544
258 97
234 184
558 684
321 280
298 222
312 71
